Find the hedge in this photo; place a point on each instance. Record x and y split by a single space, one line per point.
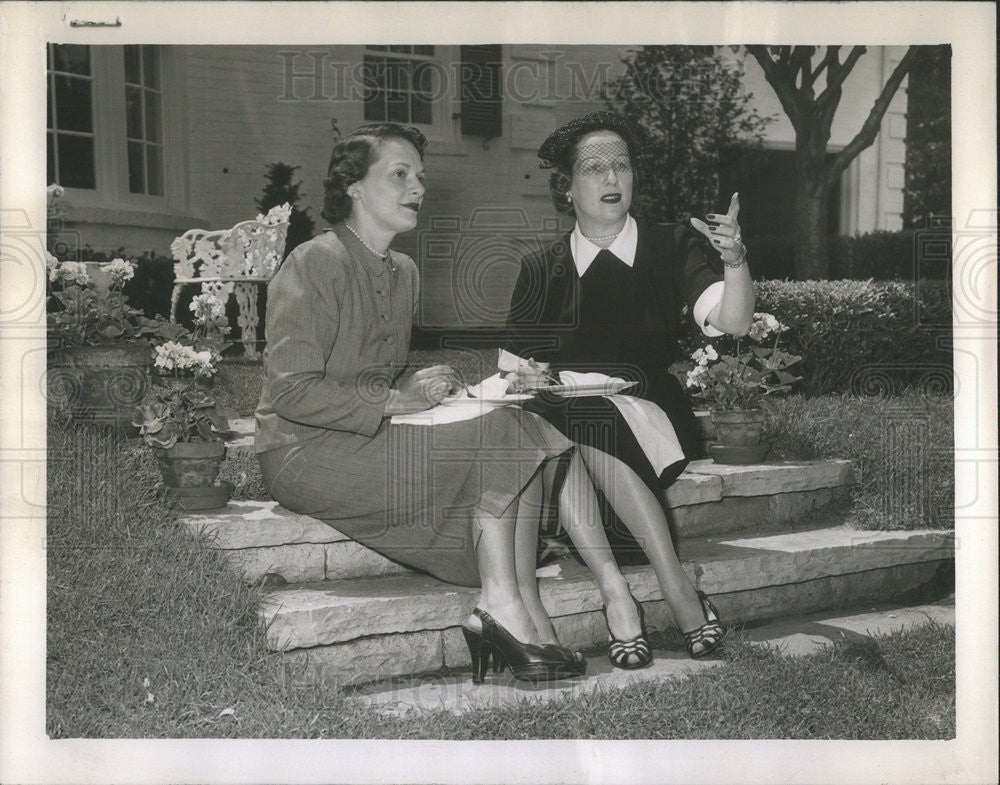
906 255
864 337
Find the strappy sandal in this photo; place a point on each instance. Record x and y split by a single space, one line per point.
634 653
705 639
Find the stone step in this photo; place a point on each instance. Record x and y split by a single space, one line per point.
374 628
796 636
262 537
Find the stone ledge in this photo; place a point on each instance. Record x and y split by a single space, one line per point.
778 477
307 615
256 524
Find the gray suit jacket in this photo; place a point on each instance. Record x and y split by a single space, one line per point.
338 331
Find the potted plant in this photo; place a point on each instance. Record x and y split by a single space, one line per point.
99 343
193 354
186 428
735 386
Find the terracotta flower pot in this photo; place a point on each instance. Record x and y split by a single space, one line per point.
104 383
190 464
738 427
191 499
738 436
183 382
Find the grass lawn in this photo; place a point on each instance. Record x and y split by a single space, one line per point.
150 634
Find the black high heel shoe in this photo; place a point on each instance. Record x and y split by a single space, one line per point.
705 639
634 653
576 663
527 661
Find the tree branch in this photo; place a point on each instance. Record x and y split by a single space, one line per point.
869 130
830 60
777 77
801 60
837 73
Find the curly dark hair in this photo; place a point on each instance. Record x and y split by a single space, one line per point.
559 150
352 157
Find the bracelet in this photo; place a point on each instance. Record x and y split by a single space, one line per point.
739 262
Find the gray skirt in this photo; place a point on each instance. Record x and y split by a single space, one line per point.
409 491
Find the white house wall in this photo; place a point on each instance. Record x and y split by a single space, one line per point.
873 186
234 110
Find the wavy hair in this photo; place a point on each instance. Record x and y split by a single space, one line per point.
351 159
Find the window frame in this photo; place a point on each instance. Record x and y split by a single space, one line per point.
111 142
443 128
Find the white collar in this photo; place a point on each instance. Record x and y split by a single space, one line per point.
623 247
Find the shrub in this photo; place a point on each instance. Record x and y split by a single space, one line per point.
281 190
901 449
858 336
882 256
865 337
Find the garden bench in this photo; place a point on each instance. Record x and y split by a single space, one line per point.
230 261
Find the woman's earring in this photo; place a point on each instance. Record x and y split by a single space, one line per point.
569 197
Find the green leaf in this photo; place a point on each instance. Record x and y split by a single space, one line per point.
166 443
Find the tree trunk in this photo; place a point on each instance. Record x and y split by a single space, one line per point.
812 249
811 200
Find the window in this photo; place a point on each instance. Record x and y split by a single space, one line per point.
108 121
398 84
143 115
70 117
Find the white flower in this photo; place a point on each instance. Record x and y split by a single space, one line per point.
51 266
207 307
703 356
173 356
205 363
55 191
74 272
119 271
758 330
693 375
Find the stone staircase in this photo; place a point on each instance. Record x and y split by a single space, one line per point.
764 541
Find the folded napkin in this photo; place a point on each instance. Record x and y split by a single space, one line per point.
464 408
649 423
507 362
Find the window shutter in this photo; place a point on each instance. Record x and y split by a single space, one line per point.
482 101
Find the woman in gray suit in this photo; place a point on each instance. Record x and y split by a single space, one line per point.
460 501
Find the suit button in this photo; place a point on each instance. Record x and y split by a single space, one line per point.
385 317
390 339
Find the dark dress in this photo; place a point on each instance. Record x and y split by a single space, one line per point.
622 321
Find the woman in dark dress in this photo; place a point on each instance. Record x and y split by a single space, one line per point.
608 297
459 500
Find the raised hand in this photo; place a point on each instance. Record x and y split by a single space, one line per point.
724 234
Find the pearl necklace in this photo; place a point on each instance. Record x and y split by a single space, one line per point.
383 255
602 239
